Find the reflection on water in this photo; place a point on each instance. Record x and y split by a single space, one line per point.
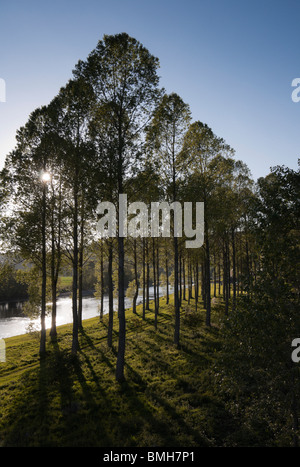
13 322
10 310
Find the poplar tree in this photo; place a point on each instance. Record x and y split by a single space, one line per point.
165 139
123 75
203 153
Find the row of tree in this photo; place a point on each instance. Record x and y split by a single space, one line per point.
112 130
255 370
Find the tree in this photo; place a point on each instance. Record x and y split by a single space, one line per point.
73 105
26 178
203 156
124 78
257 374
165 138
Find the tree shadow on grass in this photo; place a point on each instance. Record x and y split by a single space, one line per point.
54 405
169 426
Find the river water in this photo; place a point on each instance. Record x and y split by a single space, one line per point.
14 323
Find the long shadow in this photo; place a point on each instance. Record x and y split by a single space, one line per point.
145 416
60 371
171 427
81 409
181 381
97 349
32 416
137 409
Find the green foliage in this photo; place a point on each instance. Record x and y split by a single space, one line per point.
255 373
130 291
31 277
11 288
255 369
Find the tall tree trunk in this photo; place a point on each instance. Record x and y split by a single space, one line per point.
55 256
121 314
136 293
219 276
176 275
147 276
44 276
224 272
53 331
80 284
144 279
196 285
228 269
157 276
207 270
75 342
215 276
176 298
203 288
154 282
55 260
180 280
226 275
102 283
189 279
121 275
167 277
110 295
248 267
184 286
233 269
80 263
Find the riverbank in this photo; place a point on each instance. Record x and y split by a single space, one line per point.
13 322
166 400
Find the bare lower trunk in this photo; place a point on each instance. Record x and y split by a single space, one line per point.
207 270
44 277
233 270
167 279
176 298
144 280
157 276
136 293
80 280
183 270
102 284
110 297
75 342
154 285
121 315
147 277
53 331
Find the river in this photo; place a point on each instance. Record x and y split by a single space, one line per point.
13 322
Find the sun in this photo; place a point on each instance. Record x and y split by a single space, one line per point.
45 177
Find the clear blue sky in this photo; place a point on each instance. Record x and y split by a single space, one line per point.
233 61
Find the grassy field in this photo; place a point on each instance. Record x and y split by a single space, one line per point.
166 400
65 283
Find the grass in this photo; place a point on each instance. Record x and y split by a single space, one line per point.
166 401
65 283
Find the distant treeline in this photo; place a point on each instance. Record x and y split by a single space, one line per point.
12 289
